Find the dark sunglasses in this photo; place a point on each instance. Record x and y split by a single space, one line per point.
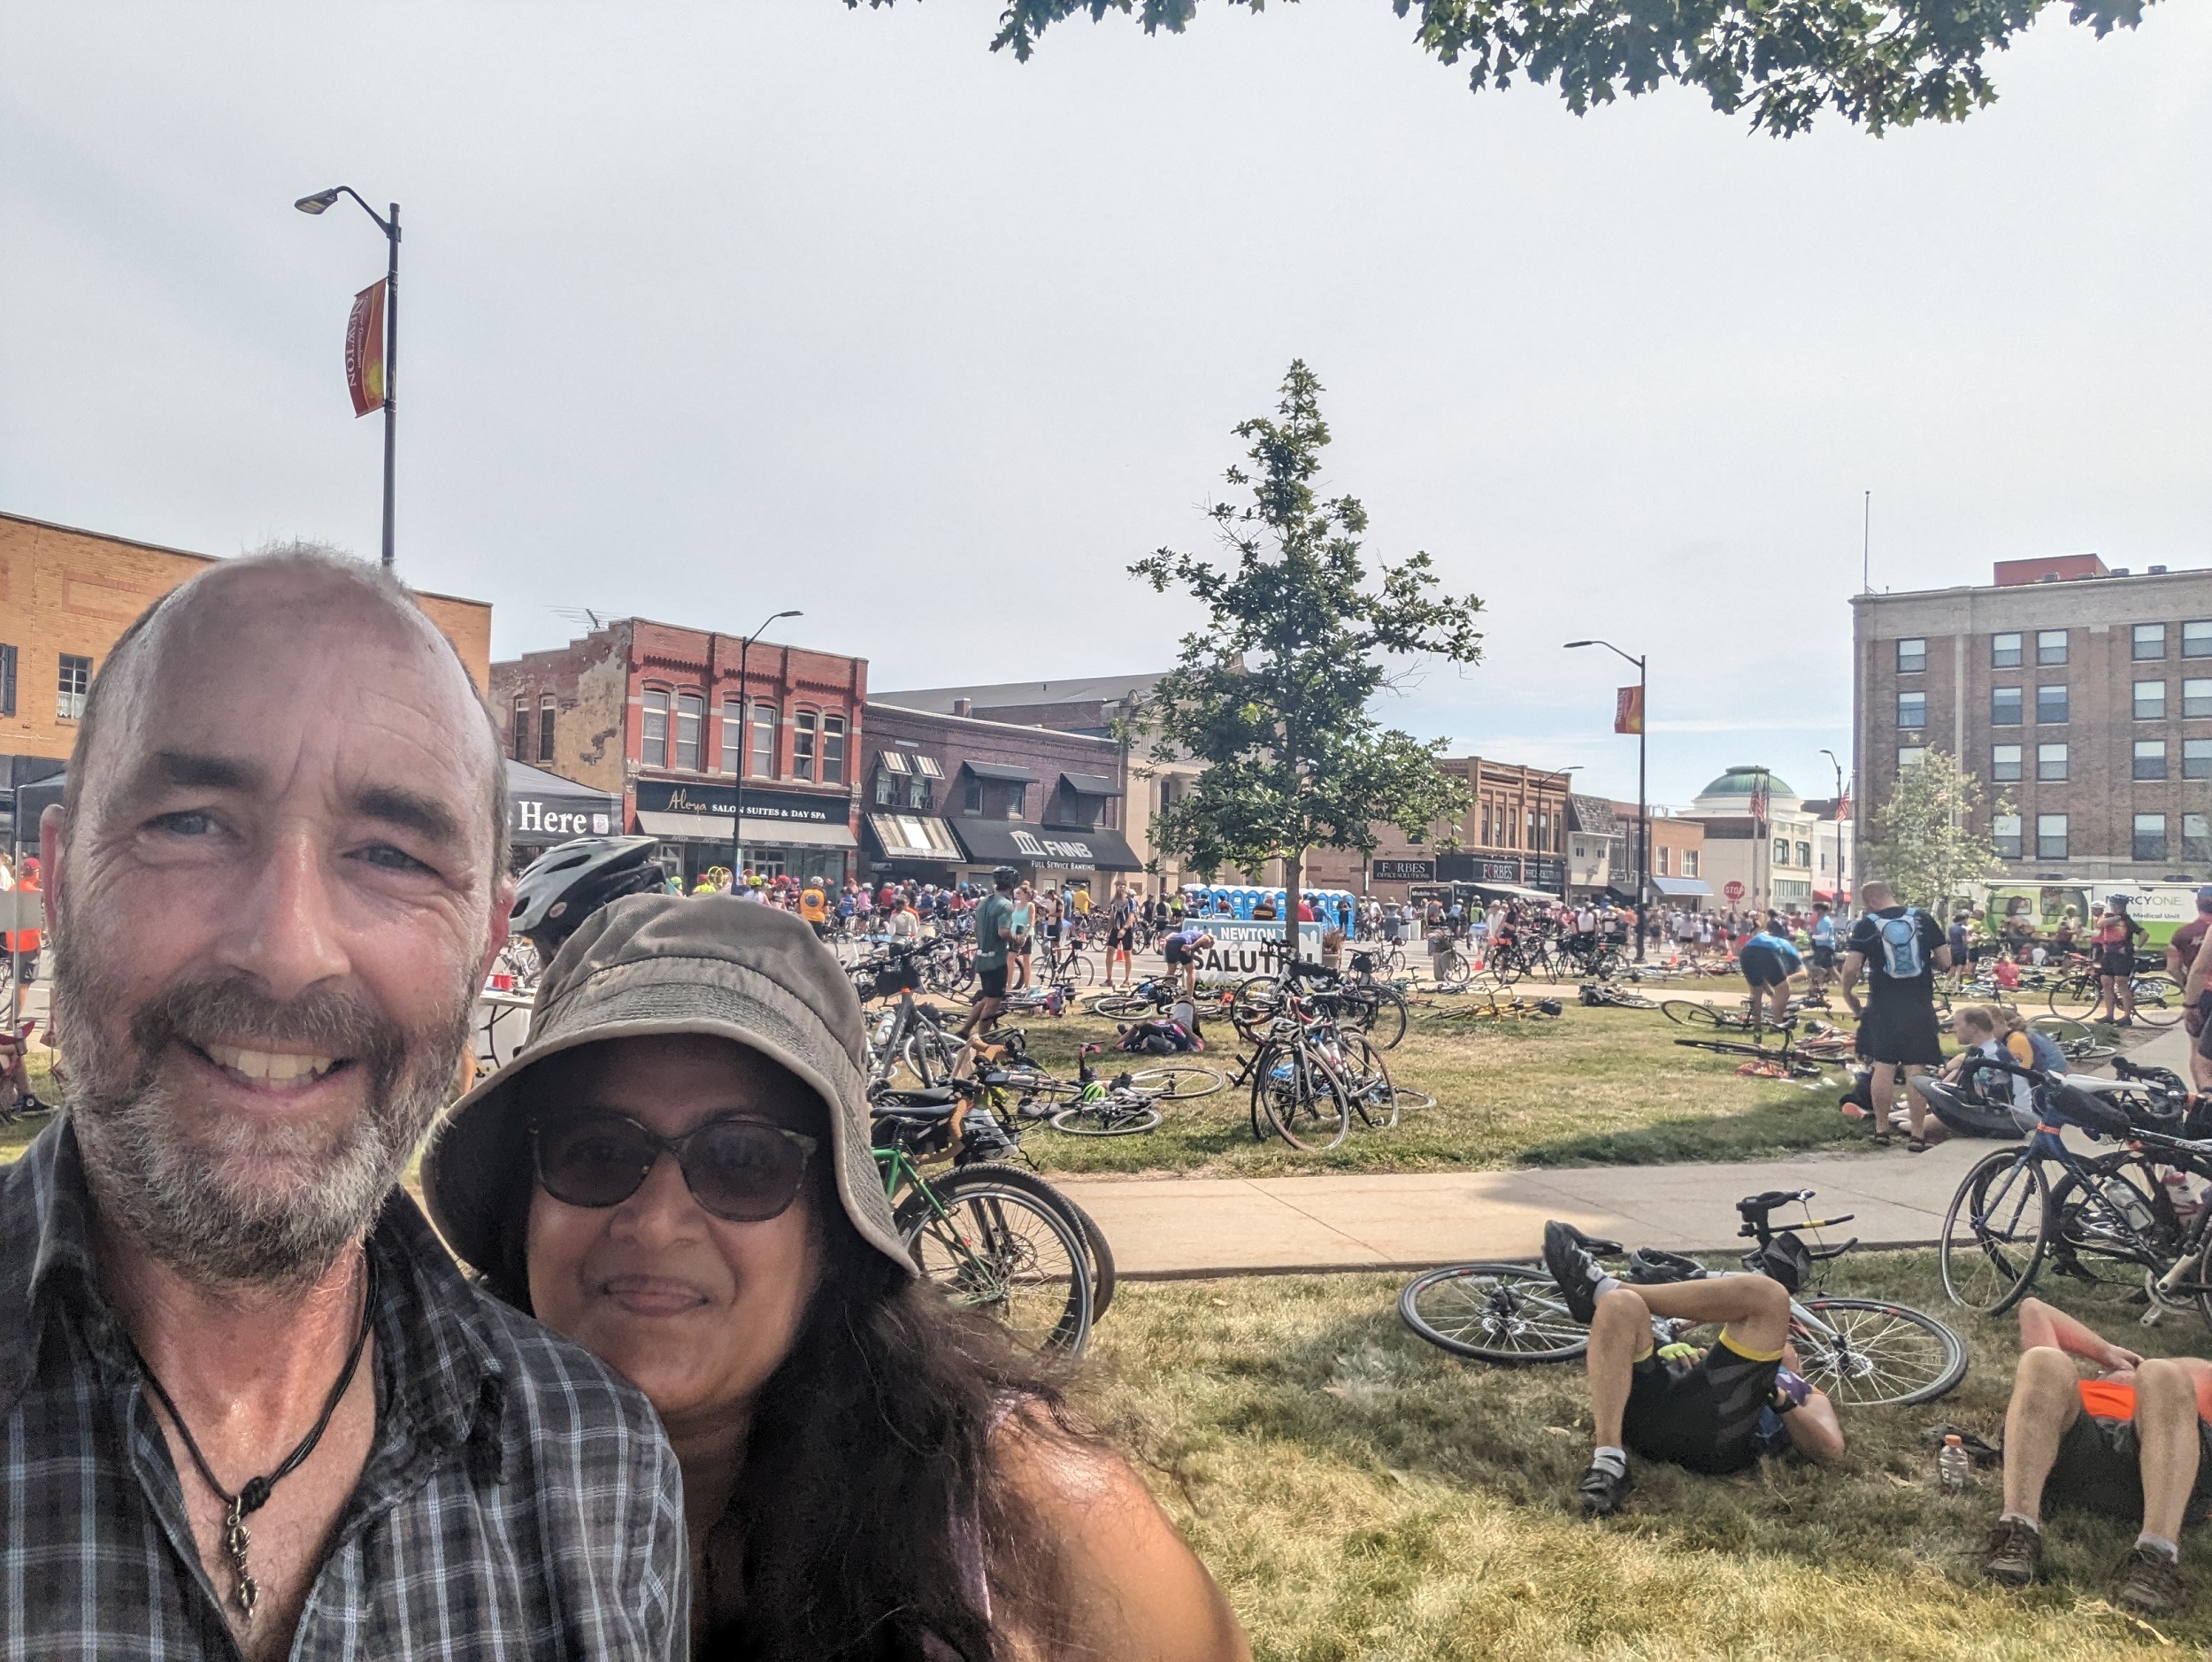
742 1170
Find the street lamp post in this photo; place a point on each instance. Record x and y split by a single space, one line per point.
316 204
1835 812
745 749
1643 807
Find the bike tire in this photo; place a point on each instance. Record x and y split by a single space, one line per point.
1309 1107
1101 1119
1374 1098
1102 1276
1689 1013
2112 1239
2157 1001
985 1253
1993 1232
1118 1006
1507 1313
1907 1356
1387 1015
1177 1084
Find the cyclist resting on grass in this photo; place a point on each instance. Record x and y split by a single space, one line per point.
1714 1411
2129 1444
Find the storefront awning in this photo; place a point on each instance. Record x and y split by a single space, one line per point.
1000 770
1680 886
543 807
913 836
685 828
1510 891
716 828
1052 848
1089 785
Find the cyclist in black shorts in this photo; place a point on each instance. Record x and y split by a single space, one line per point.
2132 1443
1181 951
1714 1411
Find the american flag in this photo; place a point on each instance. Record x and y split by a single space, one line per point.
1759 800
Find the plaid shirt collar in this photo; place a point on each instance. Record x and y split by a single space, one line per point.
427 1315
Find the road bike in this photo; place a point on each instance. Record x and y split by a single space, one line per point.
1800 1056
1862 1353
2158 1002
1310 1077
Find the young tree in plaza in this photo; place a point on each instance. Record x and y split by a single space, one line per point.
1924 839
1272 694
1879 63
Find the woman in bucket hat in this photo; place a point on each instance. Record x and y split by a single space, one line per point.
675 1172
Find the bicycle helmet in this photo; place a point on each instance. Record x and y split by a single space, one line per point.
567 883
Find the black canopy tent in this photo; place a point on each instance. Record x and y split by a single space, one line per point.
543 808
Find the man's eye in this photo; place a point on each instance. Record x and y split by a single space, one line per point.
190 823
390 859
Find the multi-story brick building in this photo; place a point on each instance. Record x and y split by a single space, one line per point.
1515 835
949 798
66 596
657 713
2081 697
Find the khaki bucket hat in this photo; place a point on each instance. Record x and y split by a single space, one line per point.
661 964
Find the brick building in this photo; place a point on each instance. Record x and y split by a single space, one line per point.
947 798
66 596
655 713
2081 696
1677 856
1515 835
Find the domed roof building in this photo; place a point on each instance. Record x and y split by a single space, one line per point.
1730 793
1787 856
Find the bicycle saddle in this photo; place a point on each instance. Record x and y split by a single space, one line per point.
1756 1206
936 1103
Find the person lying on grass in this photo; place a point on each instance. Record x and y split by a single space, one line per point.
2129 1444
1714 1411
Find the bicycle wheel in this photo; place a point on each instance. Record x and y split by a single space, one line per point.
1690 1014
991 1244
2157 1001
1102 1262
2073 991
1302 1101
1367 1079
1120 1006
1452 967
2110 1227
1877 1355
1255 1005
1408 1097
1495 1312
1386 1022
1993 1233
1076 968
1107 1117
1177 1084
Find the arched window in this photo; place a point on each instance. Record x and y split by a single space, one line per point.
691 723
521 737
832 750
764 741
805 725
653 751
732 736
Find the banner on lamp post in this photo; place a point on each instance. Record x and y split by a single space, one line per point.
364 350
1628 711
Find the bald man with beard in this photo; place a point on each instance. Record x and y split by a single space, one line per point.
247 1405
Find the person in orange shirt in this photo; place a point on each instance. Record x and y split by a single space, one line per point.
25 941
814 906
2132 1442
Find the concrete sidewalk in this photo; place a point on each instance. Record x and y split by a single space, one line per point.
1170 1227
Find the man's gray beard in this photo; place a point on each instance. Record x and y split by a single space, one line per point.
174 1196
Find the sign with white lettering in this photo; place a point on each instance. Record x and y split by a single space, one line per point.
1405 870
664 796
533 820
1241 950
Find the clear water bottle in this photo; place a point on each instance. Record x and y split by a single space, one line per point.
1952 1466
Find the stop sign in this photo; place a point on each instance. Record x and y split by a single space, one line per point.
1733 890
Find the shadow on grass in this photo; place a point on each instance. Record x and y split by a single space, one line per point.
1759 1132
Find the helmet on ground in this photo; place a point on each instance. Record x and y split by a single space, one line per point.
567 883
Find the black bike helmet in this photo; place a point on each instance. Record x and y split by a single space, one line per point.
567 883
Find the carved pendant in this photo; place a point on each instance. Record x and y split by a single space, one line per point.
235 1540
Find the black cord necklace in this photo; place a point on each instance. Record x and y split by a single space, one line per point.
253 1495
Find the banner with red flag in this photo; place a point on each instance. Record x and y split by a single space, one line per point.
364 350
1628 711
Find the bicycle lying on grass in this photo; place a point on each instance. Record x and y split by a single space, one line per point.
1800 1056
1863 1352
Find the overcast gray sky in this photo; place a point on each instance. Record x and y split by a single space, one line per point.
713 310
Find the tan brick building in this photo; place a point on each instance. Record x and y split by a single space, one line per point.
66 593
1515 833
2082 696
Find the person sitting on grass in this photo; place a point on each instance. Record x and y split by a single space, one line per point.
2130 1444
1769 961
1714 1411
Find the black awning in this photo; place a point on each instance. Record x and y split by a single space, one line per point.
1089 785
1000 770
543 807
1050 848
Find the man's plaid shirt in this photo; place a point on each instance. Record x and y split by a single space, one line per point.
519 1498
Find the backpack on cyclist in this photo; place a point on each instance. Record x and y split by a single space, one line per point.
1902 955
1785 1259
2048 1056
1158 1038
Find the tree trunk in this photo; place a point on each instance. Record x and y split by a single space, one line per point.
1292 865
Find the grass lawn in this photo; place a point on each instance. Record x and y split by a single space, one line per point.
1592 1087
1363 1496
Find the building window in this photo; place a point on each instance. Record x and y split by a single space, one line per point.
2050 646
1912 709
2050 836
2004 651
832 750
2196 758
2150 836
803 724
2150 701
2050 705
2004 706
2004 831
887 790
1659 861
1781 850
2150 759
973 800
764 741
691 726
733 735
1016 798
1805 855
2050 763
918 793
2196 839
548 711
1912 656
1690 862
76 681
2196 638
2150 642
654 750
927 766
519 743
2004 763
1910 756
7 681
2196 698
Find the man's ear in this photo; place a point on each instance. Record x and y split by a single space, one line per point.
51 826
495 940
